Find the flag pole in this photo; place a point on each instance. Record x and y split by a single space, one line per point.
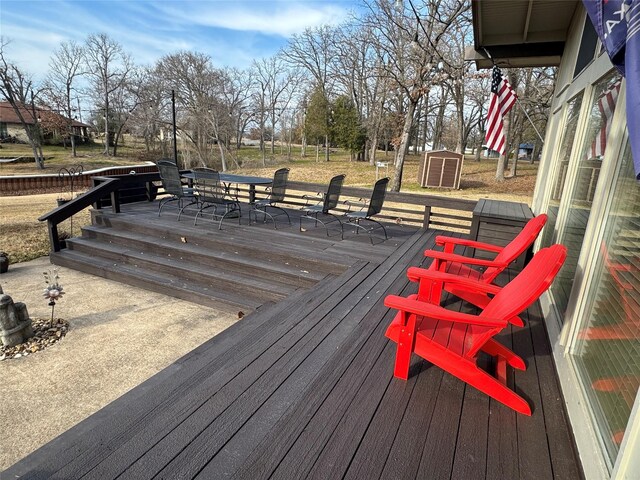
530 121
517 99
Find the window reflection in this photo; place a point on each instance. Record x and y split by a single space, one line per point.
573 113
588 171
608 348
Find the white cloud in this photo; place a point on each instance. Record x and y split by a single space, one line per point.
232 33
279 19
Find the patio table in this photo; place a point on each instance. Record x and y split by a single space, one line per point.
229 178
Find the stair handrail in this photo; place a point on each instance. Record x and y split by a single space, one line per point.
108 185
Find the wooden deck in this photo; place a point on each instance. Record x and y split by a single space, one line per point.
304 388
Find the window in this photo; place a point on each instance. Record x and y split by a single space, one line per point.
562 159
607 351
3 130
587 47
579 200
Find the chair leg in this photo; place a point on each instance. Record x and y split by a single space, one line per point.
406 340
164 201
496 349
466 370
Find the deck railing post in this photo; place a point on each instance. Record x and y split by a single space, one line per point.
427 216
150 191
115 201
54 240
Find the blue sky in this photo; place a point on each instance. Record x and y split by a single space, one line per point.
231 32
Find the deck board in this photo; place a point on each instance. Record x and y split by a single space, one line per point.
304 388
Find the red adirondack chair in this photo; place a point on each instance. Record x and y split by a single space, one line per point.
448 261
453 340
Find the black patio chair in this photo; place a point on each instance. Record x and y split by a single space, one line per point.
373 207
212 194
276 194
329 202
172 184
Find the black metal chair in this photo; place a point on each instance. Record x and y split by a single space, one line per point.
374 206
276 194
329 202
211 193
172 184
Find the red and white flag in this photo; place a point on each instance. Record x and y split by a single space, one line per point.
503 97
606 107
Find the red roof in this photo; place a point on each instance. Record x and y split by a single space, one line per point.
8 115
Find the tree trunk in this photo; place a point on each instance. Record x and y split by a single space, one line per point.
402 148
422 138
326 148
437 131
303 149
504 158
37 157
106 125
514 165
222 157
373 149
533 153
317 152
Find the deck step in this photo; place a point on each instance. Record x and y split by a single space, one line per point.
263 288
284 245
200 293
240 266
218 260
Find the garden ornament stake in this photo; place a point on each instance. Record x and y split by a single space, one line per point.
54 290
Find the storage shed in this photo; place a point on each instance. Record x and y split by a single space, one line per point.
440 168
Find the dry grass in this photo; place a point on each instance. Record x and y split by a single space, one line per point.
57 157
477 180
22 236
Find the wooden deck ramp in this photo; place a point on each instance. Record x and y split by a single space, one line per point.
304 388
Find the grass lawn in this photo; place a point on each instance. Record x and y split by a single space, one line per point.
24 238
57 157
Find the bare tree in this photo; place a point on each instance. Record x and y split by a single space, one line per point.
409 42
357 74
65 67
192 77
152 117
108 66
17 88
314 50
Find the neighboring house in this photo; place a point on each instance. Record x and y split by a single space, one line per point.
525 150
587 186
53 123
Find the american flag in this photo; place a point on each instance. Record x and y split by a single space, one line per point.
606 107
618 25
502 100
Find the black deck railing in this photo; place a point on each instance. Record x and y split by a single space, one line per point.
106 191
404 208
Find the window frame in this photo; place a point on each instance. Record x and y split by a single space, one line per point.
563 334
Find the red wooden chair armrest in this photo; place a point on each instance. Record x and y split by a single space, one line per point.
434 311
443 240
415 274
453 257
